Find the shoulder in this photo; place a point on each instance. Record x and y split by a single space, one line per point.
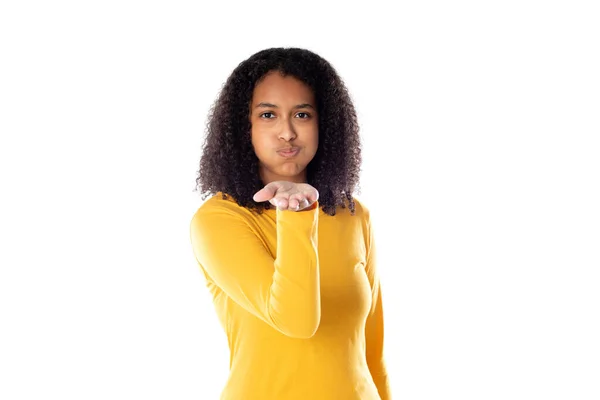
216 210
363 212
361 209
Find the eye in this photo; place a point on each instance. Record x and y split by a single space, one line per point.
307 115
266 113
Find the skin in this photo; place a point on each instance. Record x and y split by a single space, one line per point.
283 112
288 195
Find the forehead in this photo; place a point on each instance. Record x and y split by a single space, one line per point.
276 88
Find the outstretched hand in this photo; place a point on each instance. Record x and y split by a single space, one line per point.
288 195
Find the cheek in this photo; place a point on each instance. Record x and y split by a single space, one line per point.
315 140
260 145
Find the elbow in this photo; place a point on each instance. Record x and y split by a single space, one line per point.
300 321
304 333
308 326
302 328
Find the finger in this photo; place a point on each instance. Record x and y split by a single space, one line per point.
294 203
266 193
311 197
263 194
274 201
301 205
283 203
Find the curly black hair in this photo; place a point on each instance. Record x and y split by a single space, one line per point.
229 164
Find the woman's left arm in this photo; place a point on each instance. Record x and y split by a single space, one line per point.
374 341
374 329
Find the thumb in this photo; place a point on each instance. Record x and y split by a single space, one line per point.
266 193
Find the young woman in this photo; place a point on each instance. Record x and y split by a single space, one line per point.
291 267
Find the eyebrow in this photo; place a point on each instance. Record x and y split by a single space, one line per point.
269 105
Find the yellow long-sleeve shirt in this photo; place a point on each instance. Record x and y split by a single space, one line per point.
299 297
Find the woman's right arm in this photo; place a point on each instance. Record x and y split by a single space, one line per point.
283 292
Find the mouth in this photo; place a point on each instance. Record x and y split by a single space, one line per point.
291 152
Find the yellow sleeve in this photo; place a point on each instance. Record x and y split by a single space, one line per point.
374 330
283 291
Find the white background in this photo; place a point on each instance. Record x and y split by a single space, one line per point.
480 125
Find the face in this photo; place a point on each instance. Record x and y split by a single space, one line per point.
283 114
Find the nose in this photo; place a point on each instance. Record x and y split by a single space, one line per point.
287 130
